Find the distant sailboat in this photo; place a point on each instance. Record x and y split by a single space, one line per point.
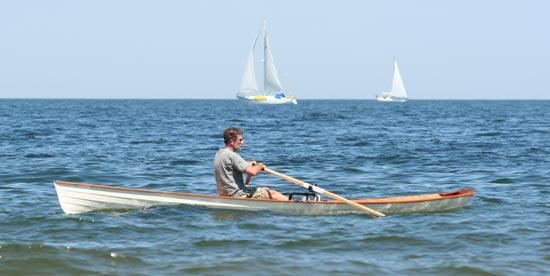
273 91
397 92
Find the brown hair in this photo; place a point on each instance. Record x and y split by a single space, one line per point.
230 134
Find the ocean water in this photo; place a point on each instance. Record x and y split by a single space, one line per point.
356 148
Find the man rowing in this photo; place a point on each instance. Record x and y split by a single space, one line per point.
229 167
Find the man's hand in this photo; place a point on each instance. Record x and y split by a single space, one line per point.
261 165
254 168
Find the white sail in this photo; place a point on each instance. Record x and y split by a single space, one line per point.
271 81
248 82
397 88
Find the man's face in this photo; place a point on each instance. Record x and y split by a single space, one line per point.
237 143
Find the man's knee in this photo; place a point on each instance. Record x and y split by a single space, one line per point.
262 193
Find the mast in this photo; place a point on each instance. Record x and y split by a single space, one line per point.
265 57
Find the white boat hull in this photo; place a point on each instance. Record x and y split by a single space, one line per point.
76 198
267 100
384 98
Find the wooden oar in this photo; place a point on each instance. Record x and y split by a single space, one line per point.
325 192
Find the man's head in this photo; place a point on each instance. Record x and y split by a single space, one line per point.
233 137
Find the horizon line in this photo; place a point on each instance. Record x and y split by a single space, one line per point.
302 99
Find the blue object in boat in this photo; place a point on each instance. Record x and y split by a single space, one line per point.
280 95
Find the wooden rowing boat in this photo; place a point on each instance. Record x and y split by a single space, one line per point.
76 198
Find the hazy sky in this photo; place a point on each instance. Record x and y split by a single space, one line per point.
322 49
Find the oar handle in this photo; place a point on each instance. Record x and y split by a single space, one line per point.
305 185
322 191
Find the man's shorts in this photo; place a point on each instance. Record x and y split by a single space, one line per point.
256 192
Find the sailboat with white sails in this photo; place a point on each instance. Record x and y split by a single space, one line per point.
272 92
398 93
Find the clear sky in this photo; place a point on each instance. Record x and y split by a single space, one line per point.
467 49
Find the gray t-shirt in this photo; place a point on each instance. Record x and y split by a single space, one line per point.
228 170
